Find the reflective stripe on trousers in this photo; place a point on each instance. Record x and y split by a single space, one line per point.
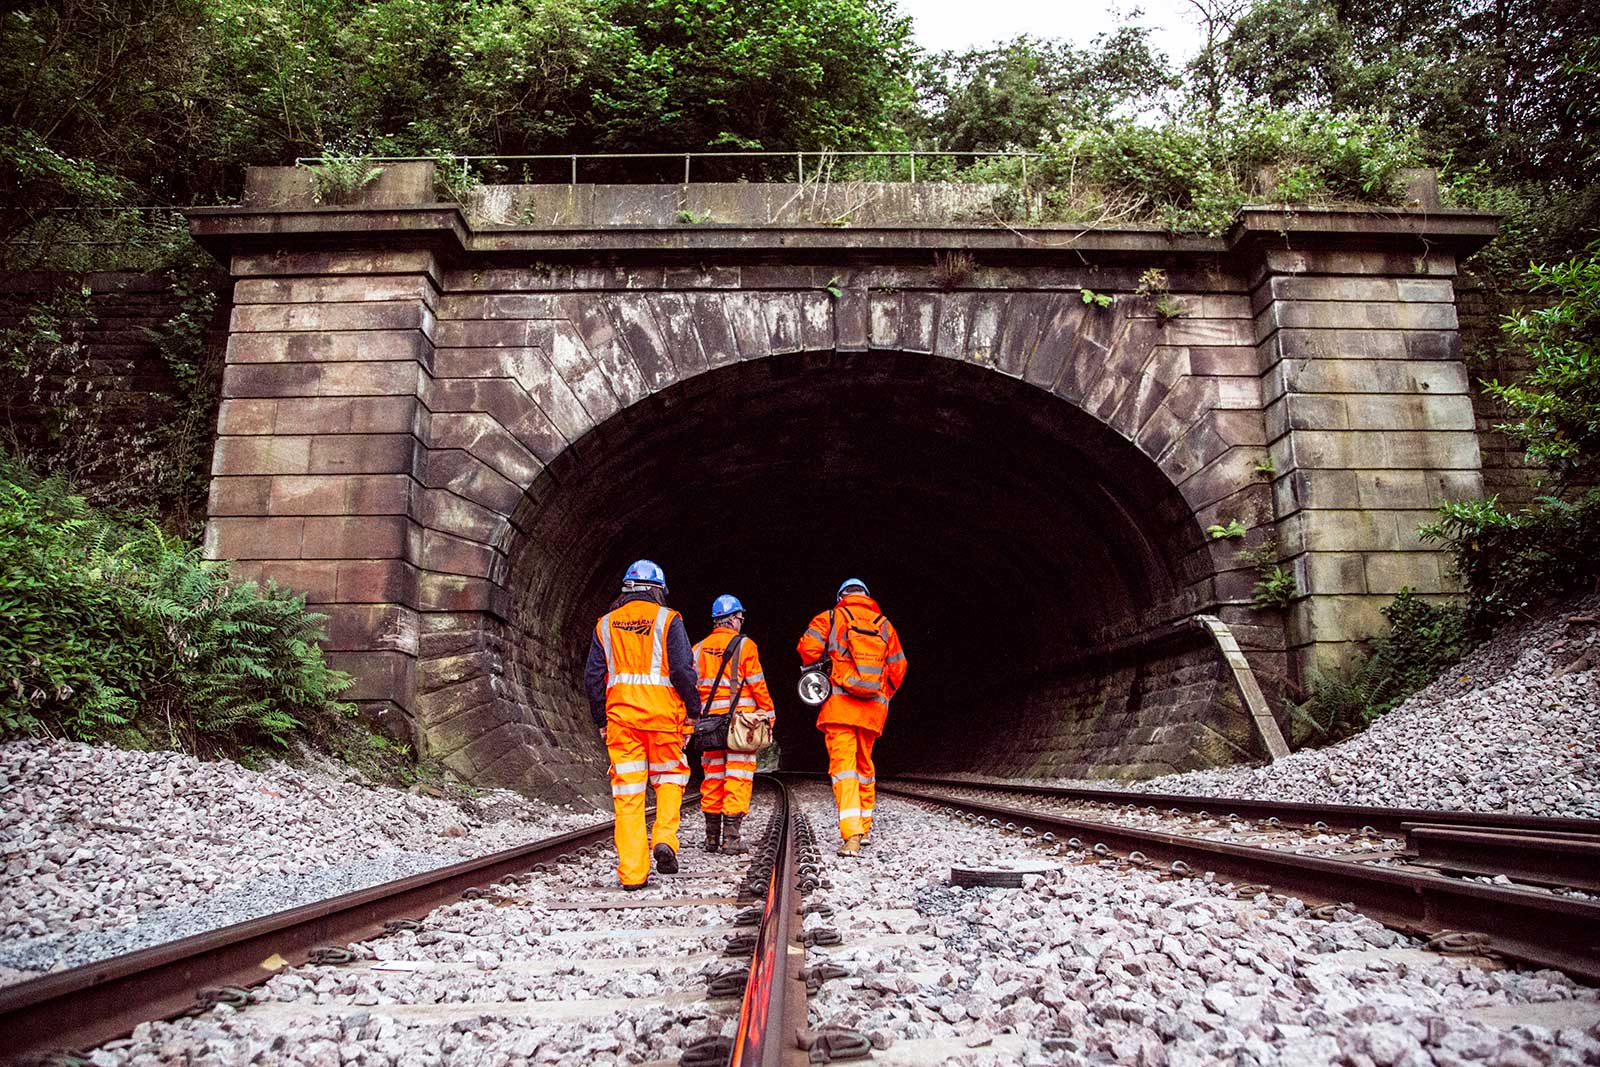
729 778
634 755
854 776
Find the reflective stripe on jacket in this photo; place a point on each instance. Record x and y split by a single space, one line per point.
708 661
821 638
639 689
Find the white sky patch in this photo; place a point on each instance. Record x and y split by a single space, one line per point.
961 24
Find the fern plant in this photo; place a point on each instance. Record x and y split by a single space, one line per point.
340 175
117 631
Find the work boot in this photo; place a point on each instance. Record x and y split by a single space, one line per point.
730 835
851 846
713 830
666 859
635 888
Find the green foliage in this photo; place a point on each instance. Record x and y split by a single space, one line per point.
339 176
1512 560
1099 300
1275 589
153 456
1233 530
112 103
454 179
693 218
1509 83
1154 287
1558 402
117 631
1503 96
1020 92
1422 640
1193 177
1266 469
1275 585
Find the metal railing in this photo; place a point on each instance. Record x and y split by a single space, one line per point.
823 158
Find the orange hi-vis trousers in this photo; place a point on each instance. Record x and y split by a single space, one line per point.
854 776
730 776
640 758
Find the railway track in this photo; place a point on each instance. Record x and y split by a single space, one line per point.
1438 875
481 956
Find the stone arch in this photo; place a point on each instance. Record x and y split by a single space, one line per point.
610 374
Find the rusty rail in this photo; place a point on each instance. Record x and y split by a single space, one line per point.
775 997
97 1002
1552 859
1526 925
1349 816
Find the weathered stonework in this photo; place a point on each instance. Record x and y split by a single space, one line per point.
453 438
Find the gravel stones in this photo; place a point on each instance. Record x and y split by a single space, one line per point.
1097 962
523 975
1503 730
103 851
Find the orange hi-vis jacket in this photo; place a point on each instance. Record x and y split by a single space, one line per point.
708 656
824 637
639 691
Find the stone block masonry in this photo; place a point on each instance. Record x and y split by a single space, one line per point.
453 437
1370 428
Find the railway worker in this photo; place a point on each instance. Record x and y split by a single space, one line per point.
731 679
866 666
641 686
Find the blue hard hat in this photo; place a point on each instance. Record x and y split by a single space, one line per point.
726 604
848 582
645 570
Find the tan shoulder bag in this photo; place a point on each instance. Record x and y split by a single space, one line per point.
748 731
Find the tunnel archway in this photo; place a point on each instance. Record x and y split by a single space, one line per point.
1005 530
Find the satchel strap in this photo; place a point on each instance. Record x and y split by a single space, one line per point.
727 656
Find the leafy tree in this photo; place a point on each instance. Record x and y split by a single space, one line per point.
1510 83
95 95
1019 93
753 74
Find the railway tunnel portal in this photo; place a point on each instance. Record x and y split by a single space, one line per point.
453 435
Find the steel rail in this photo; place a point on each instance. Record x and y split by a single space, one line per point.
1561 860
1525 925
775 997
1293 813
98 1002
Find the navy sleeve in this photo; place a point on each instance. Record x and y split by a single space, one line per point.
680 665
594 681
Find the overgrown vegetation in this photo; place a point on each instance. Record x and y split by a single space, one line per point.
109 104
128 450
1512 559
118 631
339 176
1422 640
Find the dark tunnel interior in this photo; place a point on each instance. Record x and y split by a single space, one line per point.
999 527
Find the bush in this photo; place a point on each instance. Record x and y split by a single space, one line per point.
1423 639
116 631
1195 178
1511 561
1558 402
152 453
